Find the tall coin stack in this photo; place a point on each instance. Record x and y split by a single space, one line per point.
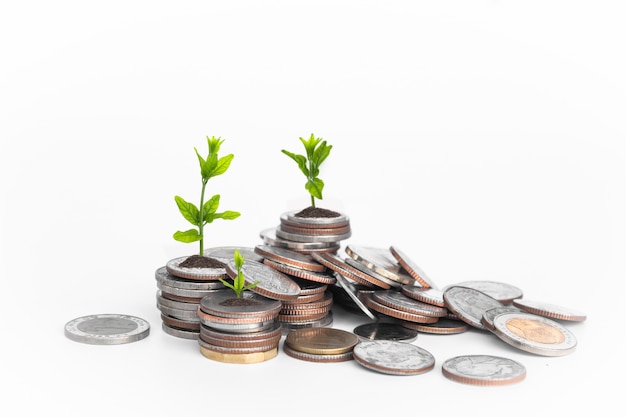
180 291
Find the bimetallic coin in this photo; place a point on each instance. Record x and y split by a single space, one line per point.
469 304
485 370
501 291
489 315
107 329
393 358
210 274
271 283
535 334
412 268
550 310
381 261
322 341
385 331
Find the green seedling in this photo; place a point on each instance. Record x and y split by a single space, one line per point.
239 282
317 150
210 167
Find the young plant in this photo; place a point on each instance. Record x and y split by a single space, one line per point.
239 282
317 150
206 212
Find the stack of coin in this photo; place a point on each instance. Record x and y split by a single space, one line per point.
308 234
320 344
239 329
179 293
312 308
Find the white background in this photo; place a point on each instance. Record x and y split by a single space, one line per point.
485 139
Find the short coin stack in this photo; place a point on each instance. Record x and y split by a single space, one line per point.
320 344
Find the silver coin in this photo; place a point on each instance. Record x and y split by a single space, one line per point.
352 293
228 252
269 236
364 268
412 268
385 331
486 370
271 283
297 237
553 311
233 327
392 357
426 295
180 333
399 301
187 315
289 257
179 305
326 321
469 304
381 261
535 334
501 291
183 292
322 221
164 277
107 329
174 268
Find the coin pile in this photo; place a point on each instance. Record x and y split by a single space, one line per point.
308 234
322 344
180 291
312 307
239 330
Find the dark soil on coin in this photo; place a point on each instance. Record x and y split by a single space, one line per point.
197 261
239 302
317 212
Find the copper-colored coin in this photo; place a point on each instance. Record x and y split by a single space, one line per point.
322 341
305 299
269 333
381 261
174 297
180 324
325 302
550 310
309 312
304 317
315 231
426 295
248 305
399 301
241 344
289 257
212 319
323 358
412 268
309 287
338 265
300 273
240 358
237 350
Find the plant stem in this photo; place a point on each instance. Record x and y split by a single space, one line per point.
201 215
312 201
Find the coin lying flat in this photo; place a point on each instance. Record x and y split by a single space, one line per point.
483 370
322 341
535 334
385 331
392 357
107 329
550 310
441 326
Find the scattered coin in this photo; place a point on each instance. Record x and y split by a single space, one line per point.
490 314
393 357
535 334
322 341
399 301
469 304
397 313
553 311
426 295
441 326
385 331
501 291
107 329
412 268
381 261
485 370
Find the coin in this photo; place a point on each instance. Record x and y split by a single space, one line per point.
535 334
289 257
165 278
385 331
441 326
292 271
396 313
469 304
325 321
335 263
489 315
211 274
321 358
426 295
553 311
352 293
501 291
271 283
248 304
485 370
322 341
393 357
107 329
269 236
412 268
369 271
381 261
340 220
180 333
298 237
239 358
228 252
399 301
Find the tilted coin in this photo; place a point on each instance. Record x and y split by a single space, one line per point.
228 252
107 329
399 301
349 289
188 315
289 257
501 291
553 311
292 271
165 278
381 261
369 271
393 358
535 334
271 283
178 323
174 267
180 333
485 370
489 315
335 263
309 287
441 326
322 341
426 295
469 304
412 268
396 313
385 331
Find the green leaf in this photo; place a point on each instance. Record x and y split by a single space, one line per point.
214 144
189 211
300 160
222 165
209 167
314 187
321 153
187 236
211 205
